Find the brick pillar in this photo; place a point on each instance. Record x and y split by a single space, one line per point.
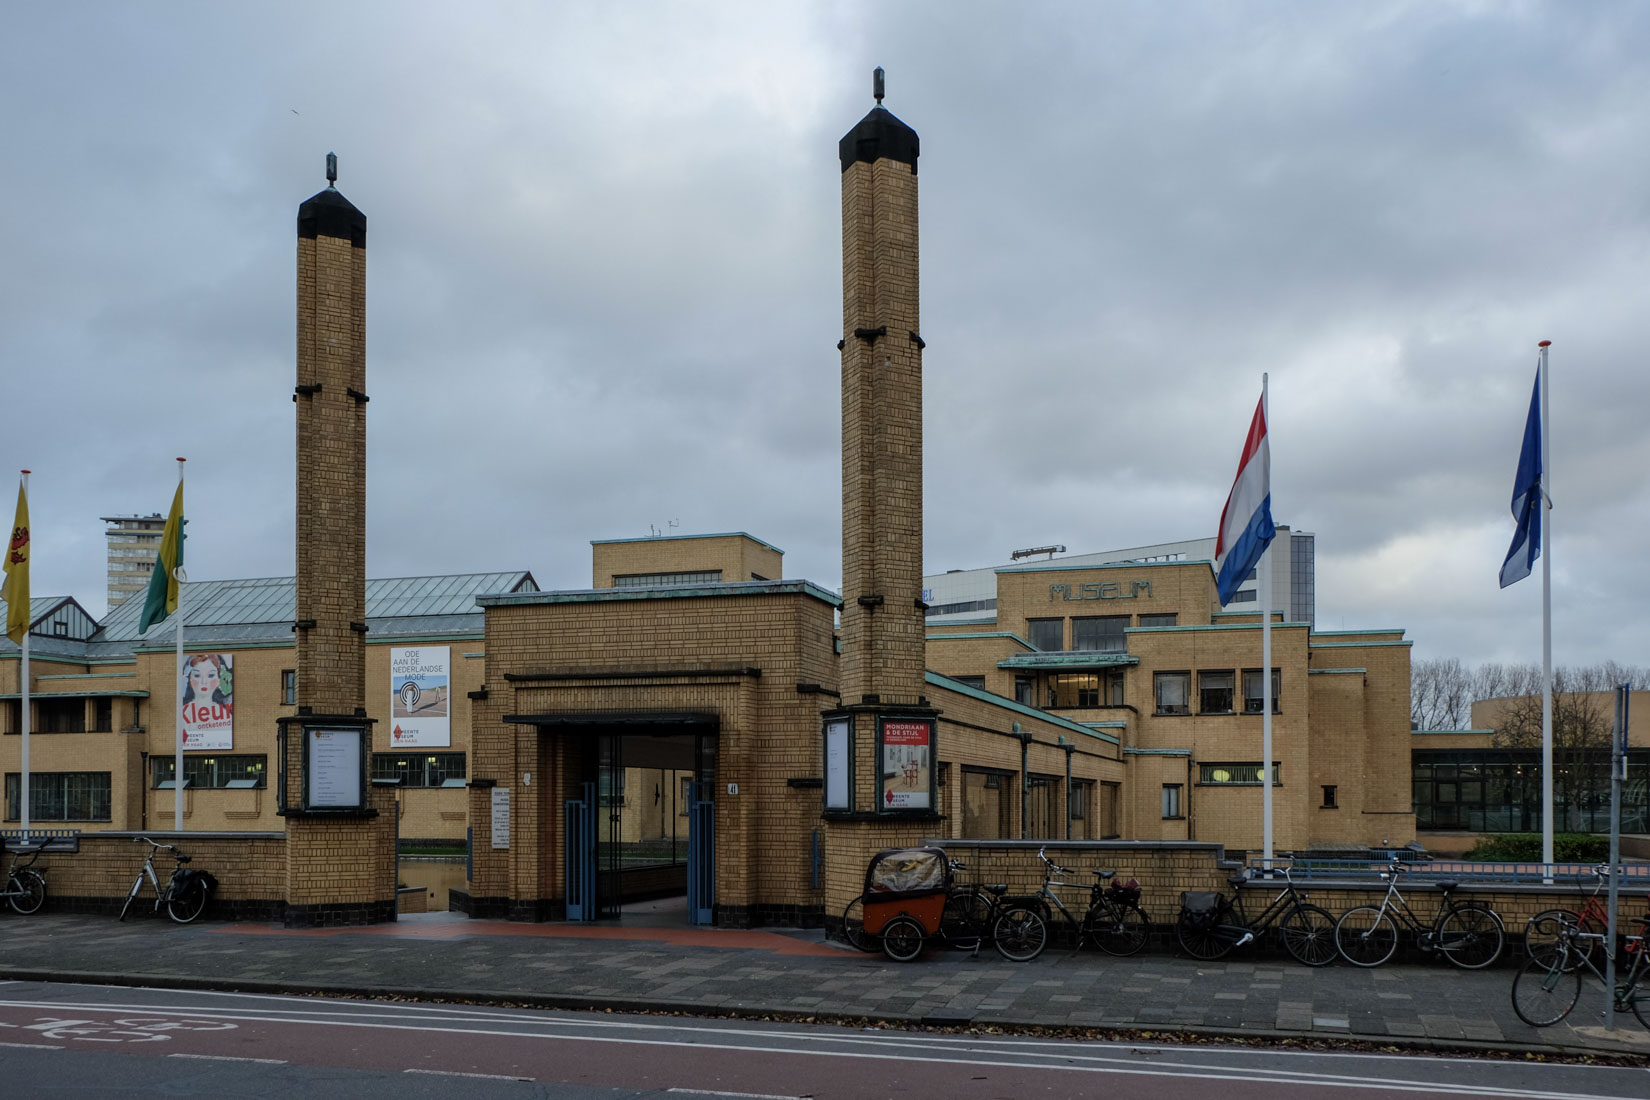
340 863
882 610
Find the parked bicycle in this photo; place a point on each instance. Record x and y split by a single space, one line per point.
1542 931
1547 987
970 910
1210 925
186 892
1469 934
1112 919
25 887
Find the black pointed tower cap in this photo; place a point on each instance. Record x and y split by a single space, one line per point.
329 214
879 135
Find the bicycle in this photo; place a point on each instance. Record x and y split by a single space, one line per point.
970 910
25 887
186 892
1113 920
1542 931
1210 926
1468 934
1546 989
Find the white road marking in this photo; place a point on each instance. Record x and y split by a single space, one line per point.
32 1046
905 1043
230 1058
457 1073
739 1095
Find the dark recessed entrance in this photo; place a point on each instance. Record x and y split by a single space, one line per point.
639 828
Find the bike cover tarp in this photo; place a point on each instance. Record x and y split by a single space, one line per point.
907 871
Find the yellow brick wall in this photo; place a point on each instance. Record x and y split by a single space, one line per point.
739 557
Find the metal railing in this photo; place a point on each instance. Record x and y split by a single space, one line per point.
1578 876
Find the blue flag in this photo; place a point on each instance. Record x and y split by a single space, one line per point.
1526 498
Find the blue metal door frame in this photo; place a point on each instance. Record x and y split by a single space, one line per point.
701 866
580 834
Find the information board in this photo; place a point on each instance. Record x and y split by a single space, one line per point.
334 769
838 767
501 817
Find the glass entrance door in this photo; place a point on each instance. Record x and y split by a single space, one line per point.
610 846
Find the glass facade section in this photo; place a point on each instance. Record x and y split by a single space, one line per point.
1099 634
1499 791
1047 635
1303 599
59 796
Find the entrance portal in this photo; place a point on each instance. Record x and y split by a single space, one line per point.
642 831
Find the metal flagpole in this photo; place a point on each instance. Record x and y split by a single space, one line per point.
1266 655
23 671
177 618
1618 775
1546 627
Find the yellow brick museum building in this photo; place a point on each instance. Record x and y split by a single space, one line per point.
693 722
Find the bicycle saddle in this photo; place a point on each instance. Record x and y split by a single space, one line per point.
1446 887
1104 875
183 859
998 888
1238 880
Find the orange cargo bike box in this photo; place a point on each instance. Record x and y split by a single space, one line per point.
906 882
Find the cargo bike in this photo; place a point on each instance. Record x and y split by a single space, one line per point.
903 903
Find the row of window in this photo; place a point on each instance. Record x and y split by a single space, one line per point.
650 580
429 769
1089 633
224 772
1216 692
990 811
59 796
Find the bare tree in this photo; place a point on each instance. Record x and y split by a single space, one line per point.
1440 694
1581 729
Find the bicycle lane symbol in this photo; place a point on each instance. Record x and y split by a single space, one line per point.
137 1029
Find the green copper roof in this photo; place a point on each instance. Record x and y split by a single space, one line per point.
674 538
1068 660
934 679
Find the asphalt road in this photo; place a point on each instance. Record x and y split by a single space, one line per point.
78 1040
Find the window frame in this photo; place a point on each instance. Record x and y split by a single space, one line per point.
1113 641
1204 769
1330 799
11 789
1031 634
1203 690
1277 690
222 773
420 760
1173 798
1163 677
289 687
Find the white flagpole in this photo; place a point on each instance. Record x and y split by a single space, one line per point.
1266 653
177 626
1546 626
23 671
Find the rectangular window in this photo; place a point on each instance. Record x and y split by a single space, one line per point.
103 715
1080 789
1171 801
1214 692
61 715
1252 689
687 796
1042 808
59 796
1025 690
988 804
1329 797
665 580
1243 597
1172 691
1109 801
1047 635
1171 619
289 687
977 682
1099 634
1235 775
211 771
435 769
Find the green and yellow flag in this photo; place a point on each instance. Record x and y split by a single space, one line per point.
162 597
16 588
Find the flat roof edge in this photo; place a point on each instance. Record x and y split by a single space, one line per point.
678 538
663 592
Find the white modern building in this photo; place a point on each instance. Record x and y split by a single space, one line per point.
964 595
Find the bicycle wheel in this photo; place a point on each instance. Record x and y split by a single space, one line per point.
1544 992
902 939
1541 936
130 898
1206 942
27 890
1020 933
186 900
963 924
1639 998
1122 931
853 926
1308 934
1471 937
1365 936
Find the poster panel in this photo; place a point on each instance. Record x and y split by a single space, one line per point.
420 697
334 769
907 765
206 707
838 766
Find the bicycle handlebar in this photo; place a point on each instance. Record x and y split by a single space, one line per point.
1053 867
153 843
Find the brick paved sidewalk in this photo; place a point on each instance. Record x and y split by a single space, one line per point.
797 972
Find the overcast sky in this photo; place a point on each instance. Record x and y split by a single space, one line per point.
604 282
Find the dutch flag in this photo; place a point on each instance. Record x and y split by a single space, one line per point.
1246 522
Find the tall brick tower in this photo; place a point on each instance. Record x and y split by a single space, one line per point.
884 714
340 852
